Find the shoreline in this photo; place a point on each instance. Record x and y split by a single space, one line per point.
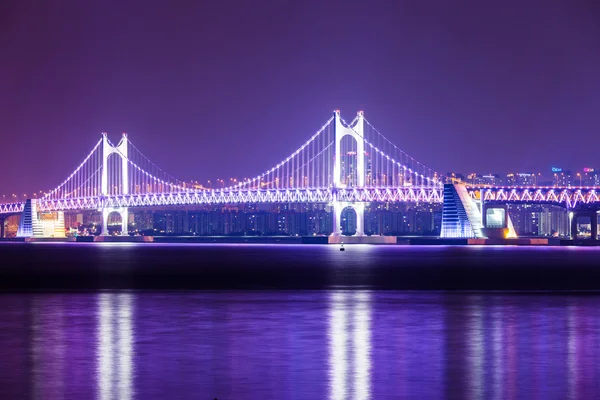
333 240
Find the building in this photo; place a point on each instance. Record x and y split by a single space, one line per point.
539 220
92 218
521 179
454 177
348 166
489 179
553 221
142 220
590 177
289 219
562 178
73 220
181 223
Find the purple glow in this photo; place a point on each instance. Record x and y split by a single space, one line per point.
470 78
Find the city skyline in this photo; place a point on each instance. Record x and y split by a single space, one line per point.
557 176
219 105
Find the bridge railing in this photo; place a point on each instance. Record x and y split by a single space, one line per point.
12 208
566 196
240 196
569 196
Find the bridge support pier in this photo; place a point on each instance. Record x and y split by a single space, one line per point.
123 212
2 226
593 223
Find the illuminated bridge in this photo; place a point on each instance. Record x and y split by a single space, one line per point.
343 164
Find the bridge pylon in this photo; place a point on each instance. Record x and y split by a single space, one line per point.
121 151
356 131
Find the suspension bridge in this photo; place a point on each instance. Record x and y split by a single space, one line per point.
344 164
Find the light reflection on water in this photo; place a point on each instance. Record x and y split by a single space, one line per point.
115 346
48 345
571 353
349 345
299 345
475 334
497 349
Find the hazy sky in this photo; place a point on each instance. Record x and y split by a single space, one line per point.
218 89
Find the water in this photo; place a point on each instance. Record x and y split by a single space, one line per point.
242 266
361 342
298 345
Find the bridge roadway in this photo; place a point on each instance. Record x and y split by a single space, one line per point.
568 197
207 197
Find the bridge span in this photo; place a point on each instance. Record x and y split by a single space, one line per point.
342 164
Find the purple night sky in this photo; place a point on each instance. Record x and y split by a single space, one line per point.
229 88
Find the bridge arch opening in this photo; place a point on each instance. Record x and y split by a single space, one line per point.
584 225
114 166
349 166
349 161
114 223
348 221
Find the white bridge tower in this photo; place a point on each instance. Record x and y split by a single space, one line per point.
357 133
121 151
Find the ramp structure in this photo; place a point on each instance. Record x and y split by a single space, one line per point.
36 224
465 216
461 216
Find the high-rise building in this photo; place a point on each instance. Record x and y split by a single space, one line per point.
590 177
539 220
553 221
531 220
369 174
563 178
143 220
348 166
521 179
200 223
489 179
160 222
73 220
181 223
92 217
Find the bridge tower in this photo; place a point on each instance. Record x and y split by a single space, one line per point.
357 133
121 151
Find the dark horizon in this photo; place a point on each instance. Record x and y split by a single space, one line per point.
219 90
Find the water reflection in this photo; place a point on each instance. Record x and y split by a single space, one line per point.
350 345
476 347
48 347
115 346
299 345
497 347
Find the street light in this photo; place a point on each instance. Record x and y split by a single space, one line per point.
579 175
